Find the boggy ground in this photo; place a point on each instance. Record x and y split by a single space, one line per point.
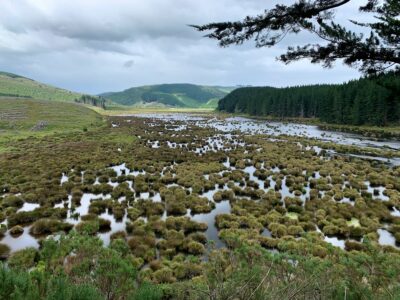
170 191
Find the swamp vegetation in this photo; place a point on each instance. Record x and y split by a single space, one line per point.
176 207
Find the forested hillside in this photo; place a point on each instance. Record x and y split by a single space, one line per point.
179 95
374 101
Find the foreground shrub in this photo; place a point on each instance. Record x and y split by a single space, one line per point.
23 285
4 251
23 259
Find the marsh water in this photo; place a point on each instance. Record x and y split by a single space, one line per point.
226 137
273 128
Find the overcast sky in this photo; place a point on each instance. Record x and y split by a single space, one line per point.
95 46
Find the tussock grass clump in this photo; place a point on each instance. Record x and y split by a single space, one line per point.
164 275
118 211
395 230
174 239
134 213
268 242
175 200
146 208
143 246
157 225
199 205
185 224
99 206
103 188
140 184
223 195
354 246
119 235
186 268
225 221
277 230
122 190
3 230
104 225
12 201
233 238
295 230
195 248
17 230
49 226
88 227
198 237
26 217
4 251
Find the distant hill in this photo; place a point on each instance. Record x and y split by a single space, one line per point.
13 85
177 95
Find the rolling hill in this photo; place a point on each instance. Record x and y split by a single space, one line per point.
175 95
12 85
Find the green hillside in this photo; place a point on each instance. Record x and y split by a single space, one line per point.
176 95
17 86
19 115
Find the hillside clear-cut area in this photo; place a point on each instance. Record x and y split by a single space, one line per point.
12 85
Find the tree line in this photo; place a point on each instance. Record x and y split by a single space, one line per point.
91 100
367 101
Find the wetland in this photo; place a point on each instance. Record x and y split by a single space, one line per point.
199 179
175 188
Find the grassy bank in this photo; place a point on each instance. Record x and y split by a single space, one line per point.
391 132
127 110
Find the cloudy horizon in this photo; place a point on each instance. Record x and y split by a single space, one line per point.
96 46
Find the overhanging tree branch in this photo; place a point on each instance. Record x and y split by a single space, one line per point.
379 51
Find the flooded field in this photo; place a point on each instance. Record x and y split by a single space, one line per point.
192 182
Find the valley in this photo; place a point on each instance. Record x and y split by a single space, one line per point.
192 150
173 190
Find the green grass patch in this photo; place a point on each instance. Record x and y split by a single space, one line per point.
353 222
292 215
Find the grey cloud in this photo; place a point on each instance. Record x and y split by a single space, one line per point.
92 45
129 63
111 21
